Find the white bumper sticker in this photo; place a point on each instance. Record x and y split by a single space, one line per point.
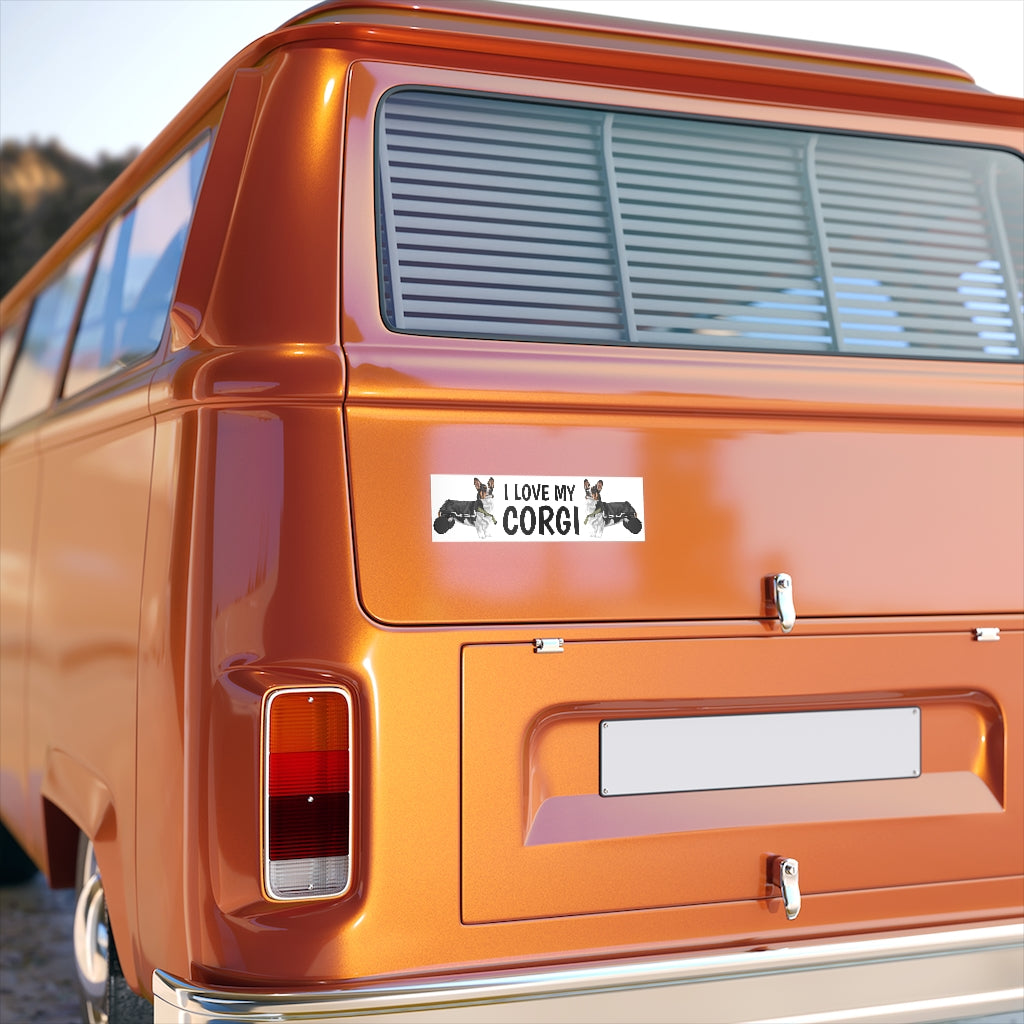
531 509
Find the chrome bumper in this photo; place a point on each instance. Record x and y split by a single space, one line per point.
920 976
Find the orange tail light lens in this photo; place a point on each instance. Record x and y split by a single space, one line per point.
307 807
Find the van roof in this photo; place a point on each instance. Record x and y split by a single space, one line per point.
593 30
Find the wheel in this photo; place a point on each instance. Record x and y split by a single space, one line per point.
102 989
15 864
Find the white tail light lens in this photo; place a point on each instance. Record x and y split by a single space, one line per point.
307 807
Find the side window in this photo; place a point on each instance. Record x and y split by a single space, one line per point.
33 384
8 346
137 270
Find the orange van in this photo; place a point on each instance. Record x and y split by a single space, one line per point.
513 515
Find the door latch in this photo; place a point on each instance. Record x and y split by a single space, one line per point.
780 599
786 878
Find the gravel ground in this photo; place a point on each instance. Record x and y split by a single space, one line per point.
37 973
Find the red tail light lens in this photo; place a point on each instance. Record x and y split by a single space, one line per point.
307 809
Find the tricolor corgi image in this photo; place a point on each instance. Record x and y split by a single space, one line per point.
601 513
478 511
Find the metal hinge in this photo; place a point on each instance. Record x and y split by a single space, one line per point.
551 645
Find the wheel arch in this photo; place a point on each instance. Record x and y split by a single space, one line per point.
76 800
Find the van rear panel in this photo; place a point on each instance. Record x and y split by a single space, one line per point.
599 518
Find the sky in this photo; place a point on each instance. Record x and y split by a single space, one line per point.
108 75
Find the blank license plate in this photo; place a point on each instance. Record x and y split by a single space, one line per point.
673 755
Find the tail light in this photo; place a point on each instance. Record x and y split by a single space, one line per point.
307 813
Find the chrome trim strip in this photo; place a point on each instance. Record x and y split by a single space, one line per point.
183 1003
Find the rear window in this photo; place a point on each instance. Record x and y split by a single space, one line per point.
503 218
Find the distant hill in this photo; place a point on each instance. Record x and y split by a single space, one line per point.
43 190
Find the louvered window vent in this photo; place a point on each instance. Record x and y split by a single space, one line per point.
502 218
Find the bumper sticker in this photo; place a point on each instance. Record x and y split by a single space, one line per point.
536 508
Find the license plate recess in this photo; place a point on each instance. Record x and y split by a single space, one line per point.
714 752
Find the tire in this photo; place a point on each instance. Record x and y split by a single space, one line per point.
102 990
16 866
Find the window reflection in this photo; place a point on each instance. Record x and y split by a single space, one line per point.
131 292
34 379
